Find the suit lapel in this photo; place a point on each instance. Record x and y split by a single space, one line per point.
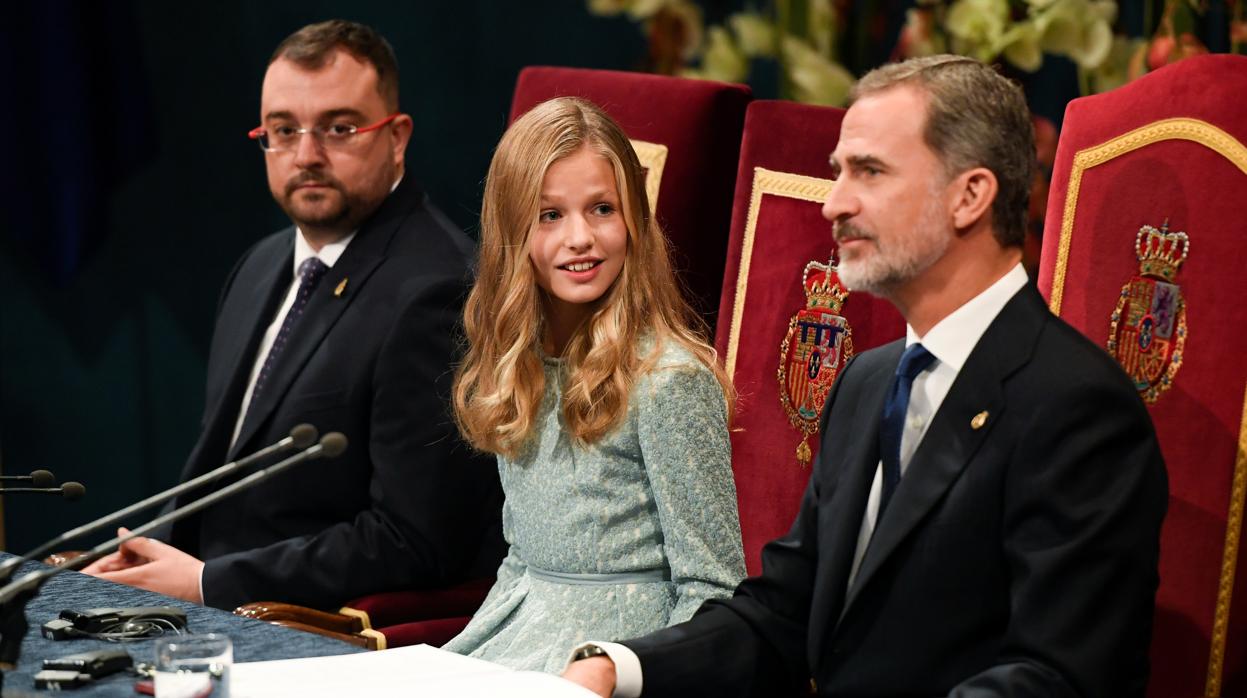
952 440
361 258
838 539
319 316
261 296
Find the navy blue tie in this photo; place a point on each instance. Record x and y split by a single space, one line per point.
311 271
915 360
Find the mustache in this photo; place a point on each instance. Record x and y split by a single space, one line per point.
840 231
311 178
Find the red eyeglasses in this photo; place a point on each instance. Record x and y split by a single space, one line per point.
334 135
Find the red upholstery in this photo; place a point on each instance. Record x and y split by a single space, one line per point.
792 142
435 632
394 607
421 616
1170 146
699 123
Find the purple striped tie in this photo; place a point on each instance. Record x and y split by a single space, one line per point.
311 271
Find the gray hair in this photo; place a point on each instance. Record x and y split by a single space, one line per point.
975 118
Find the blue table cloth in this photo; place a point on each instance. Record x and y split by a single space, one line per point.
253 640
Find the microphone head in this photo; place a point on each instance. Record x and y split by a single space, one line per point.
333 443
73 490
304 435
42 478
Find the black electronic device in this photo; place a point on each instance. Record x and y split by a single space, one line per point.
60 629
94 620
118 621
95 664
56 680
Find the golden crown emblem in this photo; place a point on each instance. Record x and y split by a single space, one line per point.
1160 252
824 292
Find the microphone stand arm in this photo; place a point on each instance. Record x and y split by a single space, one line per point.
15 595
10 566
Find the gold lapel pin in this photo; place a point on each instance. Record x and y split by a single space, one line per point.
978 420
337 292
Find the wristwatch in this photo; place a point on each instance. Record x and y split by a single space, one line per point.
588 651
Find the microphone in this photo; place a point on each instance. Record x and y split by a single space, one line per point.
302 436
38 478
16 594
72 491
331 445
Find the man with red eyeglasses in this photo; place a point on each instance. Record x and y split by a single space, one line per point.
345 321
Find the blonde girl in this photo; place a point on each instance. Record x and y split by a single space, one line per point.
587 374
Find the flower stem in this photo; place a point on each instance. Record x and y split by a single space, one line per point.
783 15
1238 18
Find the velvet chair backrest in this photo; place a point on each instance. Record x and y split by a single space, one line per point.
687 134
1163 155
767 323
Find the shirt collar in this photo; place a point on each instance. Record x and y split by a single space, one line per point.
952 339
328 254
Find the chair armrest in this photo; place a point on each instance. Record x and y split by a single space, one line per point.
62 556
283 613
368 639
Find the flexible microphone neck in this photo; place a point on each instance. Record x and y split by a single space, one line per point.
72 491
331 446
37 478
301 436
16 594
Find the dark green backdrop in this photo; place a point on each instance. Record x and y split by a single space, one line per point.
101 365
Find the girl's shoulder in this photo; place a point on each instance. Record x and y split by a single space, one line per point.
667 354
671 362
676 385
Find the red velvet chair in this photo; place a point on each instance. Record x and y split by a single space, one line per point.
776 288
1144 250
687 133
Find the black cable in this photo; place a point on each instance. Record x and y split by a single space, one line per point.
133 630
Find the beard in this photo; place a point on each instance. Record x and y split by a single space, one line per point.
334 207
898 260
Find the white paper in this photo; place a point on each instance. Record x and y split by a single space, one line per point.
419 670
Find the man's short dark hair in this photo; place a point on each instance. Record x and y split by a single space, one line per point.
975 118
312 46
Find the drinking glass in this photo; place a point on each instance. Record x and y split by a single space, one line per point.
193 666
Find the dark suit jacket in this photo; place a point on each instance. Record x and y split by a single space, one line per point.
1016 559
406 505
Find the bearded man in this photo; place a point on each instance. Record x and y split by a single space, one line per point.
983 517
345 321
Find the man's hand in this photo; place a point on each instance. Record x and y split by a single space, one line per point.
123 559
595 673
152 565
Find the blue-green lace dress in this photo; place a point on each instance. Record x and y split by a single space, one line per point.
619 538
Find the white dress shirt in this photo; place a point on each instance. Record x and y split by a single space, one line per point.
951 340
329 254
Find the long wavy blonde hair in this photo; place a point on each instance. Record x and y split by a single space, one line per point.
499 385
